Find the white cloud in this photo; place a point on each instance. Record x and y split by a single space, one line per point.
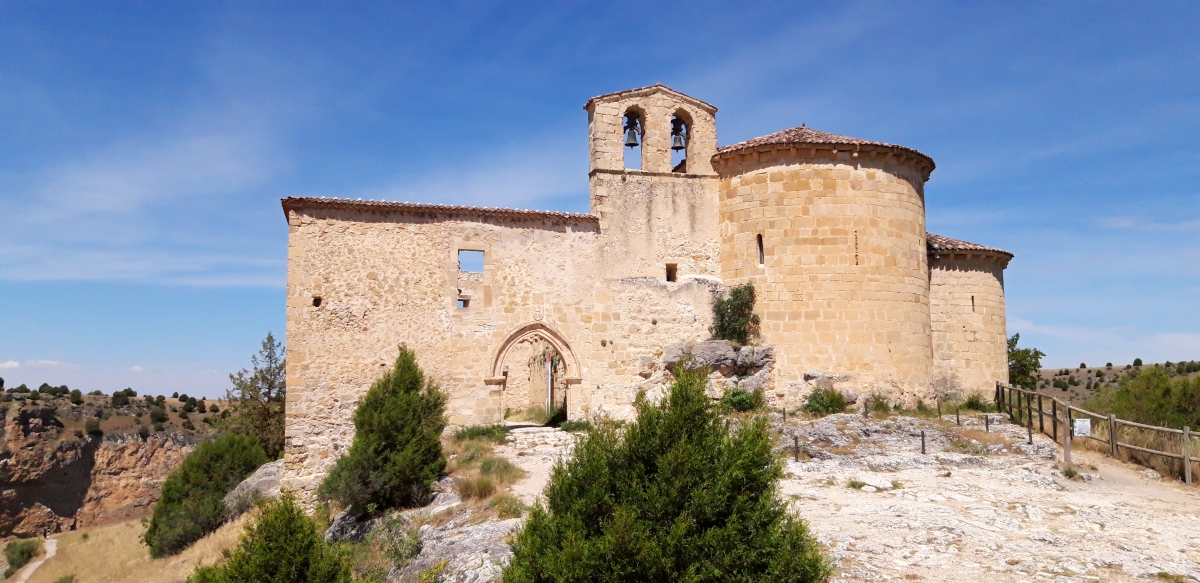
10 364
136 368
46 363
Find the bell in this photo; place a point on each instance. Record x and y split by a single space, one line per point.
631 139
677 142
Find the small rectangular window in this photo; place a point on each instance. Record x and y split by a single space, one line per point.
470 260
464 303
762 257
672 271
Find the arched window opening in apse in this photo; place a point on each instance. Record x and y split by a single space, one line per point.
762 256
633 137
680 136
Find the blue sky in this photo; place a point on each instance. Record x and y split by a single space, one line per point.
146 146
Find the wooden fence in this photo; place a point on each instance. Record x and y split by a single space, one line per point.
1029 409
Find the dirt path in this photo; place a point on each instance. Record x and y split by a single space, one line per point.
51 549
964 511
1005 516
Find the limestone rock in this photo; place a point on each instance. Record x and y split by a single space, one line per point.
713 354
347 527
263 483
474 553
751 357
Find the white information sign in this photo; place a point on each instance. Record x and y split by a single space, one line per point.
1083 427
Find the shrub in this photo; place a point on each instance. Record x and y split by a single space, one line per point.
495 433
575 426
92 426
396 453
855 485
158 426
214 408
507 505
158 415
975 403
733 316
501 469
188 425
192 503
1137 362
65 579
825 402
677 495
19 552
97 393
175 395
143 432
478 487
1082 366
741 400
879 403
281 544
183 414
183 398
189 406
76 397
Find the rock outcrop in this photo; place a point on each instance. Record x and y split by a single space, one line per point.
53 480
263 483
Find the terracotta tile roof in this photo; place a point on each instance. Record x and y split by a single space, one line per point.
647 89
938 243
302 202
806 135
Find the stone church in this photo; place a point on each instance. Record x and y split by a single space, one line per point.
512 309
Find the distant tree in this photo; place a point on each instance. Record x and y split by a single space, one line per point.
1137 362
214 408
1023 363
1082 366
1 382
183 398
76 397
120 399
158 415
97 393
92 426
256 401
175 395
1108 365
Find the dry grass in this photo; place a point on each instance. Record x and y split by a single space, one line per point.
115 554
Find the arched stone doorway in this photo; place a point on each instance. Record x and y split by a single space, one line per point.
535 368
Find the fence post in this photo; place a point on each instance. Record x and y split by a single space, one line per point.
987 423
1041 417
922 442
1029 402
1067 431
1112 434
1187 455
957 419
939 402
1029 409
796 446
1054 417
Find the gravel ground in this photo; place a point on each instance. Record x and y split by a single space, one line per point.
976 506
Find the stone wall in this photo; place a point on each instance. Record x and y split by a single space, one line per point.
842 287
363 279
966 300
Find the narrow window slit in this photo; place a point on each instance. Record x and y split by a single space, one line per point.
762 257
672 271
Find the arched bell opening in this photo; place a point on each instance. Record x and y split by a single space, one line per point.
633 134
681 134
